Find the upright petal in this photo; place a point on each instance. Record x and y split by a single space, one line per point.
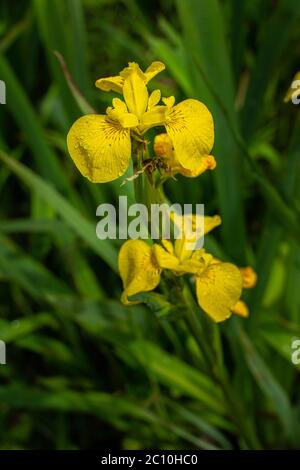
192 227
218 290
153 69
138 268
134 89
100 149
154 99
118 112
191 129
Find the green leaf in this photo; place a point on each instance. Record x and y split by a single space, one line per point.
205 42
79 224
178 376
22 110
17 329
268 384
29 274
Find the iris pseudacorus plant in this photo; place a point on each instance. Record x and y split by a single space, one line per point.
101 147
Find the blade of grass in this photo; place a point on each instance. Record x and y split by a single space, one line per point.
287 13
22 110
268 384
79 224
205 40
174 373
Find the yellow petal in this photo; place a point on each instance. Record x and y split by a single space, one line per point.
119 105
153 69
154 98
198 227
191 129
211 222
191 266
163 146
120 114
207 162
165 259
155 117
134 89
169 101
249 277
168 246
100 149
138 269
241 309
110 84
218 290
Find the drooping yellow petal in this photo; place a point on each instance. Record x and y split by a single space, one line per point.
138 269
153 69
163 147
191 129
249 277
241 309
218 290
99 148
110 84
134 89
207 162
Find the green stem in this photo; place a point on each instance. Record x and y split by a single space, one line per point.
137 165
216 368
206 335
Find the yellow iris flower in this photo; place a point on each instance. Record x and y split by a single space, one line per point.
218 285
100 145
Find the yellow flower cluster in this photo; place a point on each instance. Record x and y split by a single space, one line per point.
218 285
100 145
101 148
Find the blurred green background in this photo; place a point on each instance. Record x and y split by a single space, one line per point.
82 370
